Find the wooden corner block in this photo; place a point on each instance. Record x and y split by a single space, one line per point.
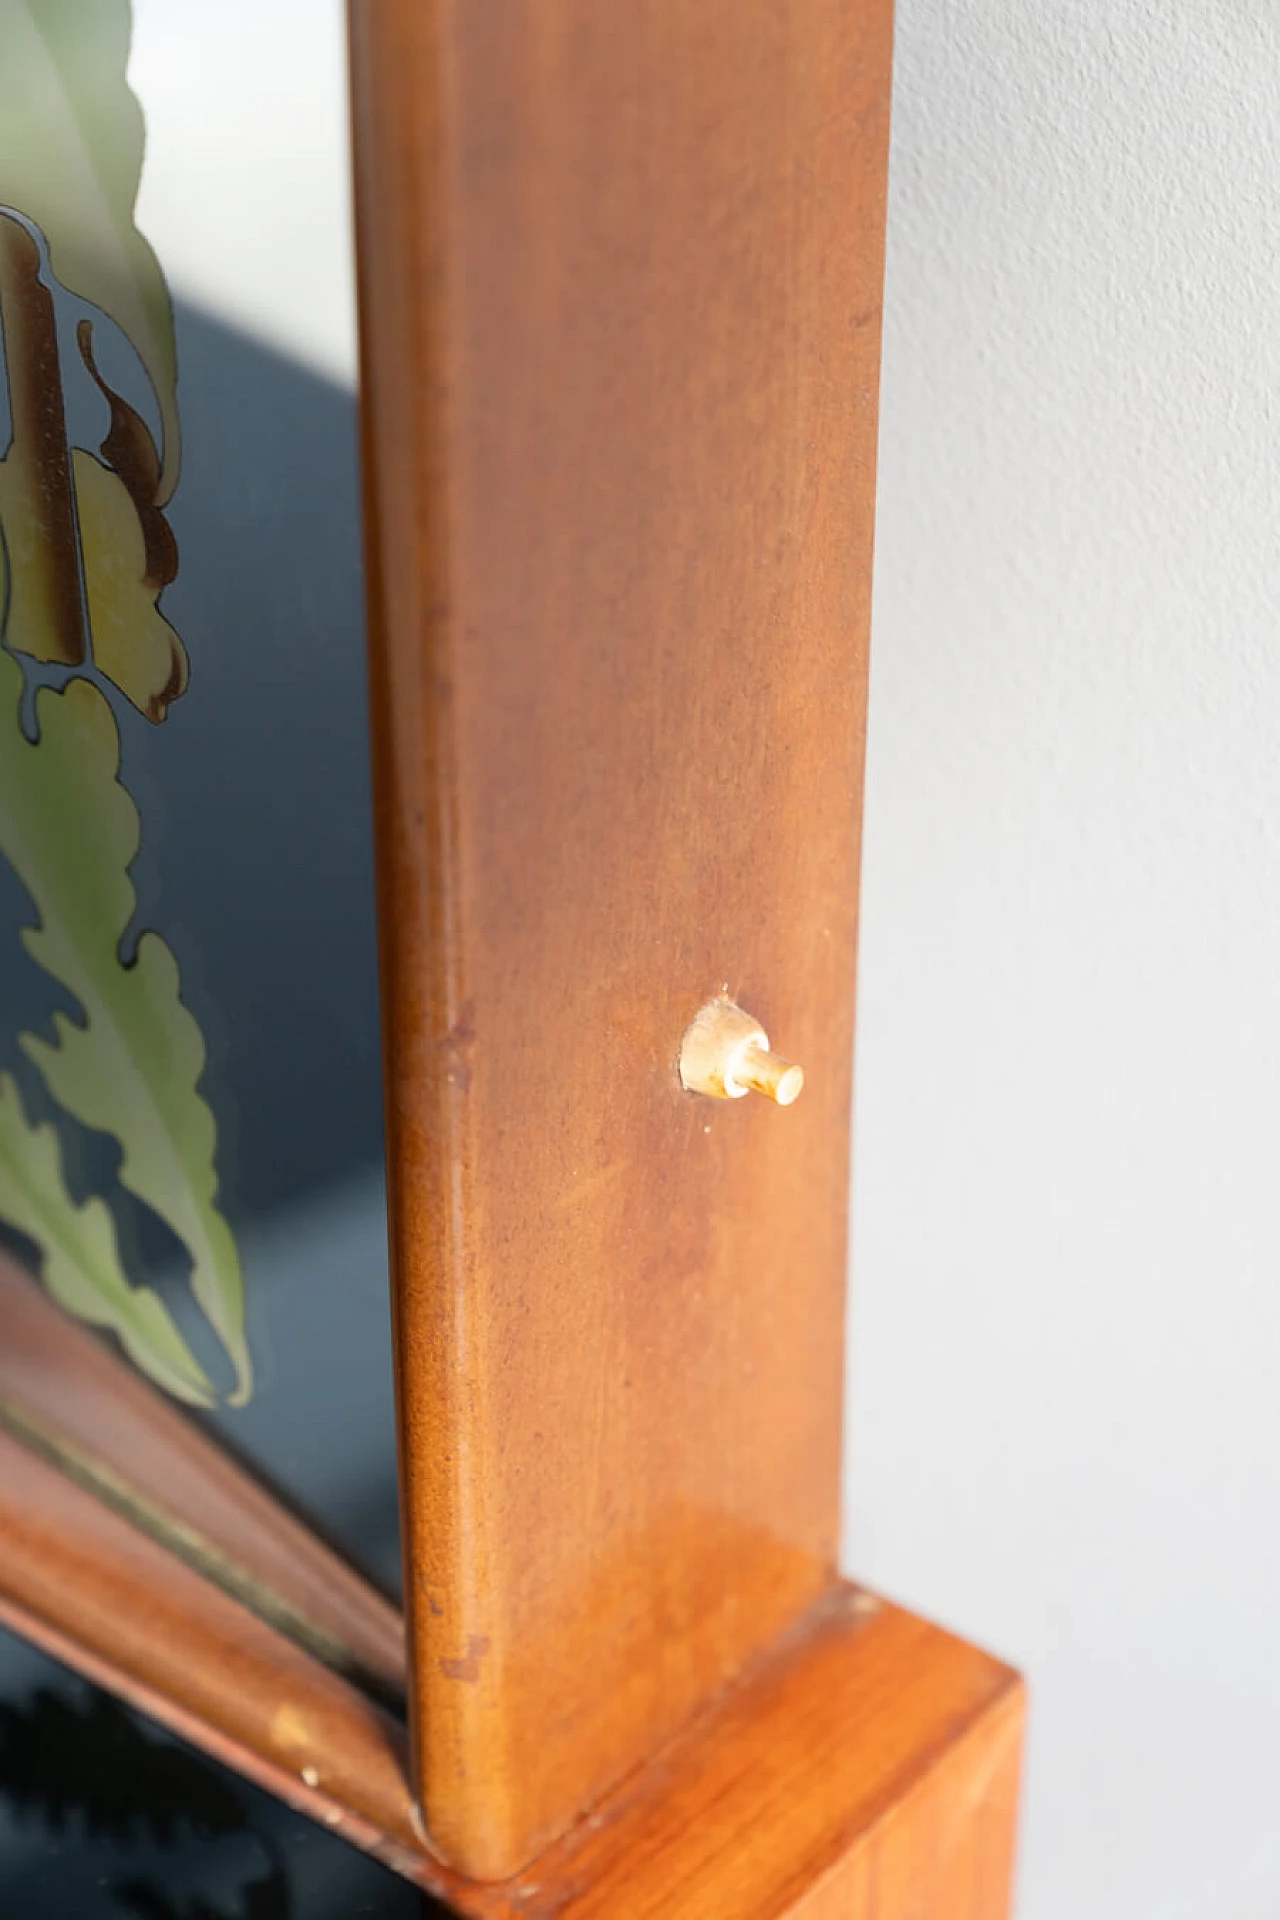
869 1768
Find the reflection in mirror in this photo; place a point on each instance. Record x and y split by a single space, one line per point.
190 1153
103 1817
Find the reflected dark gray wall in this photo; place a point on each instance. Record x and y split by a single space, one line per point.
254 794
256 865
256 857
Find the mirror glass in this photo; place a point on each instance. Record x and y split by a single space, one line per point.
190 1102
105 1817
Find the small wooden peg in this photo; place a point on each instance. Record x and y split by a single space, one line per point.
769 1074
725 1054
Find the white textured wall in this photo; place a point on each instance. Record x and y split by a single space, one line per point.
1064 1426
1064 1415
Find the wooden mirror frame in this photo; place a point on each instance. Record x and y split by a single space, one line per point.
620 277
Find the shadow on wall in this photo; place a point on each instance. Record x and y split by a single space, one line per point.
256 860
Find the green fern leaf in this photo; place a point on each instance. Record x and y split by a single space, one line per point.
81 1260
131 1068
71 140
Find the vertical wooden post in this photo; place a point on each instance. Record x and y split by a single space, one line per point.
620 297
620 286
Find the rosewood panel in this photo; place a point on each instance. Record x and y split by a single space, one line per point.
620 298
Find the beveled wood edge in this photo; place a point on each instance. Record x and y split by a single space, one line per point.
427 136
85 1585
70 1383
780 1786
395 280
753 1808
261 1770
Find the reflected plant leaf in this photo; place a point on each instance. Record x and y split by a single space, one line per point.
92 1763
128 555
43 616
63 1759
81 1266
84 544
71 144
132 1067
133 643
266 1899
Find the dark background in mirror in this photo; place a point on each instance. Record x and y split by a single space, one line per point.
103 1817
256 864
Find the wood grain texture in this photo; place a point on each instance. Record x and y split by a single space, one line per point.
866 1770
77 1389
85 1585
620 292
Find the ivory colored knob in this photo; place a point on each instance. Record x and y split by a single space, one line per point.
725 1054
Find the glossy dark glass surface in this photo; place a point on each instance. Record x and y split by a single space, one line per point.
266 868
190 1138
103 1817
255 866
